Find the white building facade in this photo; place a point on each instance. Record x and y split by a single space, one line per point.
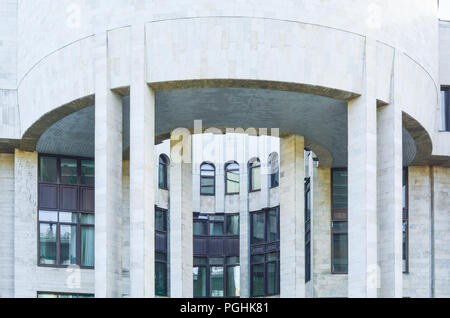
224 149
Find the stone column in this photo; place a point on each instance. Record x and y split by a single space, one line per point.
181 223
292 217
244 239
362 191
108 178
7 225
25 223
142 156
389 197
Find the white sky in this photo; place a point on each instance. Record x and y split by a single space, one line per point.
444 9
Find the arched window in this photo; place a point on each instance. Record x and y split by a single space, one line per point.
163 168
274 172
254 175
207 179
232 178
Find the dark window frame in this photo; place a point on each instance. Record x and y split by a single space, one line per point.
78 295
199 217
405 251
165 263
337 215
266 248
307 230
207 177
251 167
228 170
79 185
163 184
446 104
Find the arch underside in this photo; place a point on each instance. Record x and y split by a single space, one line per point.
69 130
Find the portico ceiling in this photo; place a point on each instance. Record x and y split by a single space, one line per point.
321 119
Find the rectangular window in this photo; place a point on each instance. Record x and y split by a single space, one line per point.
216 271
308 230
232 181
445 108
405 221
339 224
161 252
265 252
66 212
255 179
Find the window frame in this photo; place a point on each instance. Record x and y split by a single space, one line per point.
337 215
58 224
250 174
406 219
78 295
227 170
265 249
166 252
200 217
308 230
165 165
208 177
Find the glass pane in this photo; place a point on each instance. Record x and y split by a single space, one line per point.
233 225
200 228
256 179
257 280
162 257
340 189
199 275
216 281
340 253
233 182
216 228
88 219
67 217
49 171
160 220
272 281
68 244
160 279
200 261
273 256
87 246
216 218
233 281
216 261
233 260
258 259
88 172
272 226
69 171
274 180
48 216
340 227
207 170
162 176
47 236
257 228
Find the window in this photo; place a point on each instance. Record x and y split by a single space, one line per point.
274 166
254 174
63 295
216 271
207 179
339 224
265 252
66 219
162 172
161 251
445 108
405 253
232 178
308 230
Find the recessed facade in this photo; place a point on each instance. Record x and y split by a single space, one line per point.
294 149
